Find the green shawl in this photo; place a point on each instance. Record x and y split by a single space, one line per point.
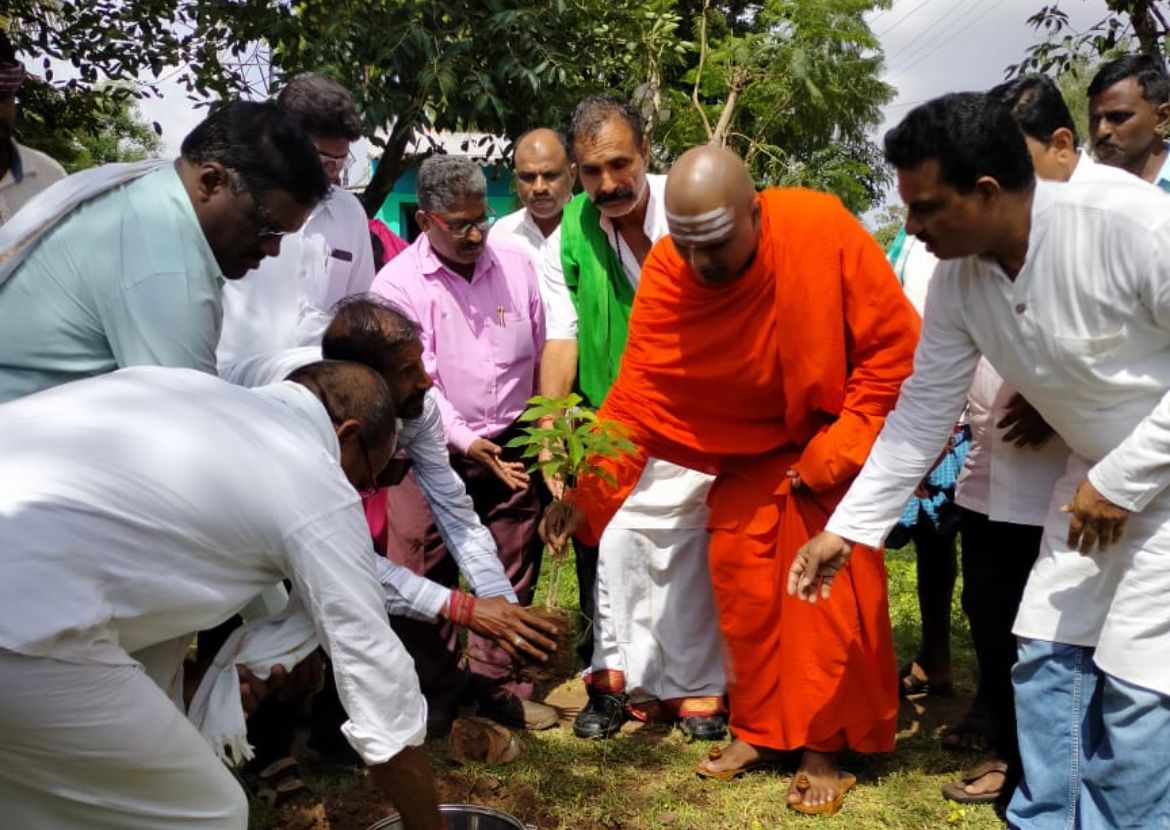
602 295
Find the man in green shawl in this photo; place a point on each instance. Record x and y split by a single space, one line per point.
656 653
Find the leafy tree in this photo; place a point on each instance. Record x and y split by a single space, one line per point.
1131 25
81 130
792 84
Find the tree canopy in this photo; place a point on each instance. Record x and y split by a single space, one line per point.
791 84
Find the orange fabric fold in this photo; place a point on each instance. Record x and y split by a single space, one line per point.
794 365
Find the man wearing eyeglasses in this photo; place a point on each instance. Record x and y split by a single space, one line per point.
478 305
124 265
285 302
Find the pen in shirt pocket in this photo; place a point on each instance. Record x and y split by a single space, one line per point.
500 315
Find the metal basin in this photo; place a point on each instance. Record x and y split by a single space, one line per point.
464 817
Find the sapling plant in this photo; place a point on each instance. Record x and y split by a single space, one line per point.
564 442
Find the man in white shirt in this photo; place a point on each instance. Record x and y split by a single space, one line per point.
286 301
147 504
655 652
1064 289
371 331
544 177
1129 115
24 172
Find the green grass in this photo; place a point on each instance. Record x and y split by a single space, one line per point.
643 780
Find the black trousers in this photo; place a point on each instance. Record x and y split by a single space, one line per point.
996 560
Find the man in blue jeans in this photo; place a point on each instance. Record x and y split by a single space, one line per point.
1065 289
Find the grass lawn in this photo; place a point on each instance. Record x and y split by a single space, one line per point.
642 779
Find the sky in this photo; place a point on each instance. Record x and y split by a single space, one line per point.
931 47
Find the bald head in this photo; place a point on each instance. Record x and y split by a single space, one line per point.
713 212
544 174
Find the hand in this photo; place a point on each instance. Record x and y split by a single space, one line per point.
817 561
560 523
1025 426
305 679
516 630
555 484
1095 519
253 690
794 478
489 455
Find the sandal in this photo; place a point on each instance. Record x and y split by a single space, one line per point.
956 790
845 782
715 753
968 735
280 784
913 681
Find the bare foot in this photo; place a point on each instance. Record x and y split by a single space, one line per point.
817 780
736 755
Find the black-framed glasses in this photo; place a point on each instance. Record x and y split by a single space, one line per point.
460 230
261 218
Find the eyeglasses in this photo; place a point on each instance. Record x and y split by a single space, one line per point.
263 221
372 488
460 230
335 164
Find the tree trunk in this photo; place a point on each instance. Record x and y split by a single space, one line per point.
389 168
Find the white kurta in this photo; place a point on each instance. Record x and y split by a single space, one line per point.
150 503
1083 332
519 227
287 301
422 440
655 615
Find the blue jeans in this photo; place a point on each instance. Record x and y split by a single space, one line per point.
1095 749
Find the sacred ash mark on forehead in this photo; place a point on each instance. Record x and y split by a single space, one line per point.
703 228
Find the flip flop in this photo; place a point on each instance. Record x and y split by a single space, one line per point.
715 753
280 783
955 791
845 782
911 685
968 735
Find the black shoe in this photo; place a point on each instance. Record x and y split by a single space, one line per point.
703 728
602 716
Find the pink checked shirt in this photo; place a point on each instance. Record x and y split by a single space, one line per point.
481 339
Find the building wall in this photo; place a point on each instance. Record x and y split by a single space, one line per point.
398 209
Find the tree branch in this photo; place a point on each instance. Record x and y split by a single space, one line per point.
699 70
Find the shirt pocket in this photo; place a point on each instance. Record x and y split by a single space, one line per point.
1091 348
512 336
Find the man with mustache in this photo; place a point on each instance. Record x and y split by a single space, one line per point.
1063 288
24 172
1129 114
481 323
424 611
132 274
544 178
655 650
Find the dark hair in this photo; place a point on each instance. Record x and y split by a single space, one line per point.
596 111
351 390
1037 105
1149 72
7 53
560 139
264 145
971 134
322 107
365 329
379 251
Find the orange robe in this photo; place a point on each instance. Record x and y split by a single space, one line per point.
796 364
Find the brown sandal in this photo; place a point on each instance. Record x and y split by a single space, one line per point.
845 782
956 790
280 784
715 753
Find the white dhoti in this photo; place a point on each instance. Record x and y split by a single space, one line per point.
1112 600
655 619
101 747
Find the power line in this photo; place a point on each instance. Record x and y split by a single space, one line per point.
952 29
900 20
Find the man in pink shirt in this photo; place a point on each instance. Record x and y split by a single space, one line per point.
478 305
